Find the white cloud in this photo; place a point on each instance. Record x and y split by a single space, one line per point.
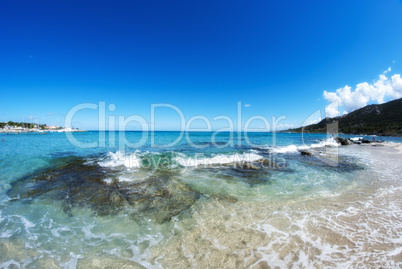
247 105
384 89
388 70
313 121
312 118
396 86
332 110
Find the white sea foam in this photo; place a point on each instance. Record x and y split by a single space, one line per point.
356 138
333 245
330 142
288 149
115 159
27 224
217 159
6 234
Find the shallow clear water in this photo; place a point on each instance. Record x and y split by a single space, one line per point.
203 201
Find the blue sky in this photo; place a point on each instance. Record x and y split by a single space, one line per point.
278 57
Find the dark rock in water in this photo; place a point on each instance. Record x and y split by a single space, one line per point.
78 184
254 173
349 142
365 141
343 141
222 197
264 162
339 164
246 165
305 153
274 164
159 198
277 164
233 173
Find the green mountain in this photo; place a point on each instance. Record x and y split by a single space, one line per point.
384 119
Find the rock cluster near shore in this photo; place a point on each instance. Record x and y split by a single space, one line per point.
347 141
343 141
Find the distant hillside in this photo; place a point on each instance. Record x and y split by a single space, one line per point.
384 119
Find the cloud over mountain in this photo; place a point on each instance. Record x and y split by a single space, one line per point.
384 89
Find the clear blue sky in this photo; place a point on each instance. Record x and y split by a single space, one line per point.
201 56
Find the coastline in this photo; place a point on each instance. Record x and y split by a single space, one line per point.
353 221
356 228
351 134
389 147
38 131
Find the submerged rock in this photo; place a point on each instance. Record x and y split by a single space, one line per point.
261 164
233 174
274 164
79 184
224 197
254 173
305 153
159 198
107 261
336 163
246 165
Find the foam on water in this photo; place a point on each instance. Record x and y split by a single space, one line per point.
217 159
116 159
359 227
330 142
76 240
300 234
310 215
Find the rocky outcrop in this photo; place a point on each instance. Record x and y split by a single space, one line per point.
80 184
344 141
305 153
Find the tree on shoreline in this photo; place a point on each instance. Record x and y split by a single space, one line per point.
22 124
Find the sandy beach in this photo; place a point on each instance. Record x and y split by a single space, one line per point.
358 228
310 215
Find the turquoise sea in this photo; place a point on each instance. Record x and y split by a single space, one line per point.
198 200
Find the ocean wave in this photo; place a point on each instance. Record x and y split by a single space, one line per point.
330 142
217 159
147 159
116 159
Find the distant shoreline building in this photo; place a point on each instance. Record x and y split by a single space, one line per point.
54 127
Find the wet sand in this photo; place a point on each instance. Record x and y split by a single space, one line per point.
358 228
